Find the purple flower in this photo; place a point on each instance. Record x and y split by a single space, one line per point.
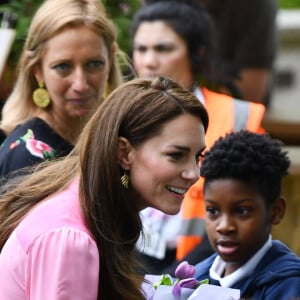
184 270
189 283
176 291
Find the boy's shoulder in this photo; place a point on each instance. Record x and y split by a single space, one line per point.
279 257
277 275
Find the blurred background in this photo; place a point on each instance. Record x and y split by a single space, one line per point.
284 109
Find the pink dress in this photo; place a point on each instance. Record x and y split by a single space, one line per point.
51 254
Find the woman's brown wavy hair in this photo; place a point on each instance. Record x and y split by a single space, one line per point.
137 110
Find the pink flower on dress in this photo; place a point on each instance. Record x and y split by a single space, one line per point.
39 149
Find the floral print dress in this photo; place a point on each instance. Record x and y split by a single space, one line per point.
29 144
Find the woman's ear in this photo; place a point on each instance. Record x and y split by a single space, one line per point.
278 210
37 73
124 153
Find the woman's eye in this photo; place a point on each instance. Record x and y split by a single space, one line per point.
176 155
140 49
95 65
62 68
164 48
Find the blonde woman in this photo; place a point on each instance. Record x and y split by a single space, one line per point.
68 63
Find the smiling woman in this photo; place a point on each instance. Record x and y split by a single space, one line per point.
152 134
67 66
167 165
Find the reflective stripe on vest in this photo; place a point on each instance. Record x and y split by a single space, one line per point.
191 234
193 226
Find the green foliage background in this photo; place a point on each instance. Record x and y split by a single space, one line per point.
289 3
121 11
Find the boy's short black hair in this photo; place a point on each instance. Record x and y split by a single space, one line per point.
256 159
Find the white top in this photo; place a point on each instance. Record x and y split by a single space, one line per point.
218 267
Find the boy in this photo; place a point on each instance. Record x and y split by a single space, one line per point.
242 192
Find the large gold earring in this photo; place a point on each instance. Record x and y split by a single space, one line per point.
125 180
41 96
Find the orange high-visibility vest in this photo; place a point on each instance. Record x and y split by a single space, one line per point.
226 114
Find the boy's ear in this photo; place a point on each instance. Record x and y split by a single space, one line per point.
124 153
278 210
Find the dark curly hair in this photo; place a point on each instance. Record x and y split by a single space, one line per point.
255 159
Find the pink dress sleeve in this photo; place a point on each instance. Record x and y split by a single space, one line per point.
62 264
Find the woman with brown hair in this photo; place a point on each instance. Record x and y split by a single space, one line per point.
70 227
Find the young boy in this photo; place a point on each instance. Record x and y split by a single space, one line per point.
242 192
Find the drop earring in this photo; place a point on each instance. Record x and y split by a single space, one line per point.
41 96
125 179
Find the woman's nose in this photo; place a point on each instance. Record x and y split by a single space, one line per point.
80 82
191 172
150 59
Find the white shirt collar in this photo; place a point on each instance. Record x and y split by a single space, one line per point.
217 268
198 93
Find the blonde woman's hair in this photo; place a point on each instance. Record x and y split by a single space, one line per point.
50 18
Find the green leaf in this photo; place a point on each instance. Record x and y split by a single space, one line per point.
204 281
166 279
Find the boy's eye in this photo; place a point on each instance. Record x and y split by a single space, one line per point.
211 211
243 210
